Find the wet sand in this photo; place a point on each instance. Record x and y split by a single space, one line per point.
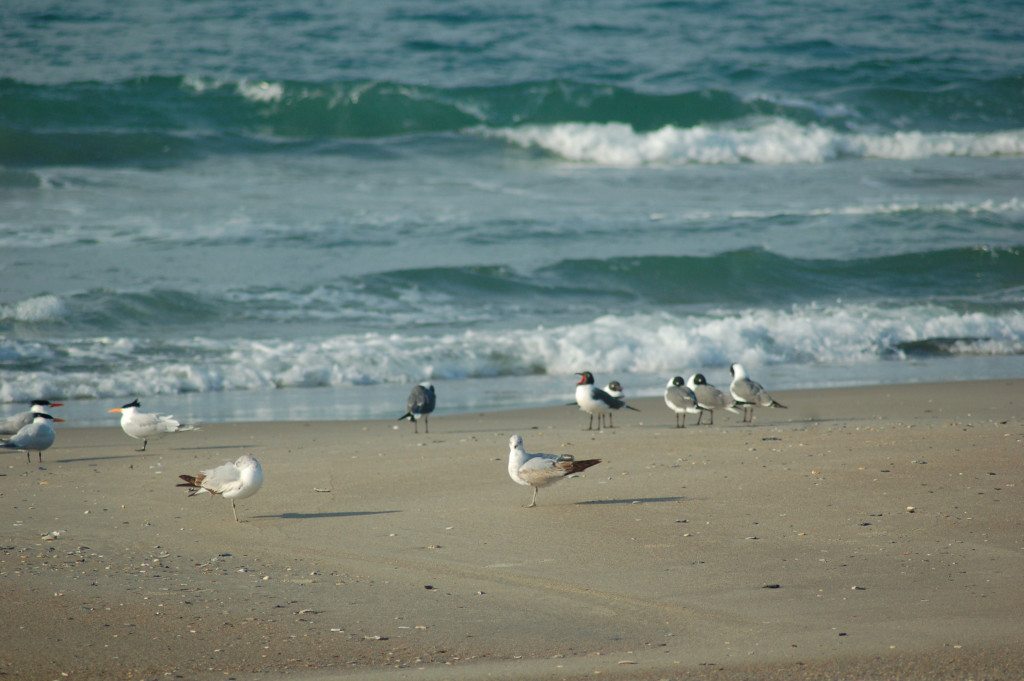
861 533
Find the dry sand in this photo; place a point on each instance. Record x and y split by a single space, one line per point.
375 553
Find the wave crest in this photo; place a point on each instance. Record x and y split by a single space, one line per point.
774 141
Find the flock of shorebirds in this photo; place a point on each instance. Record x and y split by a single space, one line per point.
33 430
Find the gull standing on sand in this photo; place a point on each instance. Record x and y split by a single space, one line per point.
35 437
709 397
593 400
681 399
142 426
614 388
12 424
238 480
541 470
749 394
421 403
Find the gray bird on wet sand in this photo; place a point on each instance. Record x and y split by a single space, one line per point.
681 399
37 436
709 398
595 401
541 470
420 404
614 388
749 394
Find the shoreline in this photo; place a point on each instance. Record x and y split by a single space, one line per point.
374 552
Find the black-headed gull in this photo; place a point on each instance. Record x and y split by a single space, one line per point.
680 399
541 470
595 401
709 397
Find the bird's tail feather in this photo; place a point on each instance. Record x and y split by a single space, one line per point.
578 466
629 407
191 483
778 405
406 416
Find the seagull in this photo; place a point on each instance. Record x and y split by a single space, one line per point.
143 426
541 470
12 424
421 402
593 400
614 388
238 480
681 399
37 436
709 397
749 394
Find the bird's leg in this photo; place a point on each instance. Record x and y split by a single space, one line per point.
533 502
610 421
591 426
700 416
684 419
28 456
233 512
426 423
40 455
144 443
712 415
677 419
415 425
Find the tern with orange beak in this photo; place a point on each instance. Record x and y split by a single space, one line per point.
37 436
142 426
12 424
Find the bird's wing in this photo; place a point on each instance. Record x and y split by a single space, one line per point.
12 424
602 396
221 479
541 468
679 398
745 390
418 399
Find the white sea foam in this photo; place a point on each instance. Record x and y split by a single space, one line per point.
651 343
770 141
260 91
46 308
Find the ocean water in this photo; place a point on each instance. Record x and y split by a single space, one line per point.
288 210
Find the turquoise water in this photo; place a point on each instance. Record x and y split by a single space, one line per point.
239 210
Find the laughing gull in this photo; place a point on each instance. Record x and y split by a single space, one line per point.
593 400
541 470
614 388
238 480
143 426
35 437
709 397
681 399
421 403
749 394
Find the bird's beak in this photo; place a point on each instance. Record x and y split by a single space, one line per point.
57 420
115 410
56 404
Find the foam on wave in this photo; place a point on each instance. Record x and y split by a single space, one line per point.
649 343
772 141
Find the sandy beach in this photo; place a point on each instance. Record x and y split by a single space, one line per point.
861 533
